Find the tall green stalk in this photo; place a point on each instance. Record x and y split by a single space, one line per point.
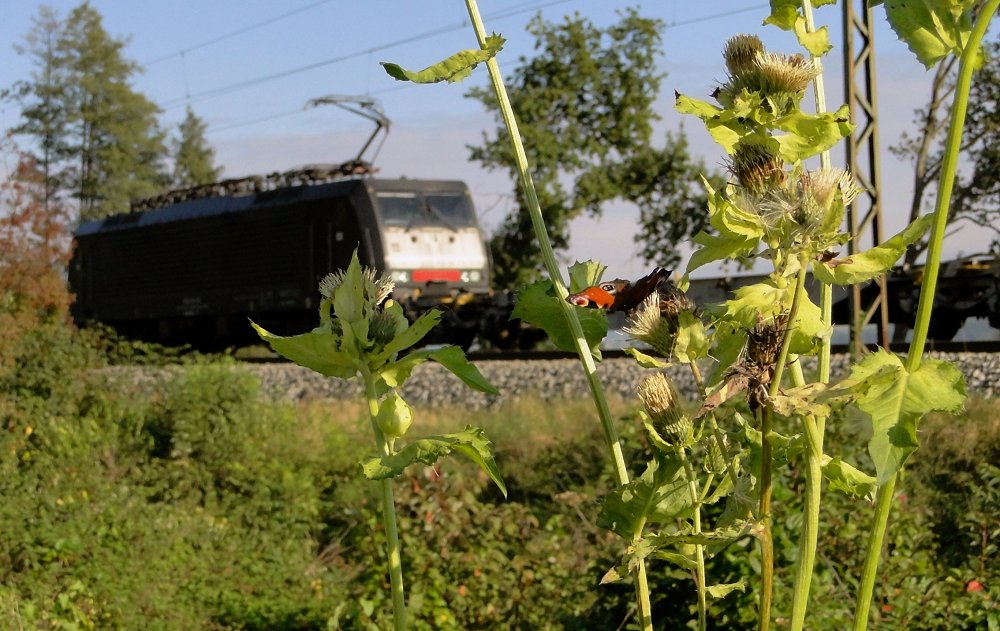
699 549
555 274
949 166
813 430
388 512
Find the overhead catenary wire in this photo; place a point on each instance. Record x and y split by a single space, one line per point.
240 31
510 12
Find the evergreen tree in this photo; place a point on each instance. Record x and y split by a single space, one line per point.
585 109
194 159
44 116
97 138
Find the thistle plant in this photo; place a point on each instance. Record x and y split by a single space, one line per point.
754 412
363 334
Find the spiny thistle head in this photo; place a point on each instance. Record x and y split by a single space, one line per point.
715 459
757 167
375 287
662 404
815 200
779 73
740 54
647 324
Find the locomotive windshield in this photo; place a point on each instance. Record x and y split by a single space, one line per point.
412 210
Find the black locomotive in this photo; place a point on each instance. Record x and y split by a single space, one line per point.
194 265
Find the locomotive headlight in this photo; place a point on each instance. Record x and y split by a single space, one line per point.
465 277
400 276
475 276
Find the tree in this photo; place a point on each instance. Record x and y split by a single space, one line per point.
99 138
193 158
585 110
44 116
976 198
34 249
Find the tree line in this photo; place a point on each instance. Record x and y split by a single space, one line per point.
93 137
587 108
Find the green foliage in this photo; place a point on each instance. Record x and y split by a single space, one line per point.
584 106
453 69
106 147
193 158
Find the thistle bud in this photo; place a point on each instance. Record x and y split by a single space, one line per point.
394 416
740 54
780 73
757 167
647 324
715 459
662 404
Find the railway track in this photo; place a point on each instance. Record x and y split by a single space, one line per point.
991 346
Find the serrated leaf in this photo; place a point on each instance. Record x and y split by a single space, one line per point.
783 14
931 29
896 407
874 262
661 493
453 69
811 134
816 42
585 274
316 350
471 442
537 304
848 479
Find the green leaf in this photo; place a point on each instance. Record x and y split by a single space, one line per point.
409 336
725 126
585 274
691 341
931 29
896 407
451 357
717 248
848 479
646 361
537 304
783 14
816 42
453 69
874 262
660 494
316 350
811 134
724 589
472 443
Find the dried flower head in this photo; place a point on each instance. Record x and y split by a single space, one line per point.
662 404
740 54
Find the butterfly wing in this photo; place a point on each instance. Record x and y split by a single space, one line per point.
629 297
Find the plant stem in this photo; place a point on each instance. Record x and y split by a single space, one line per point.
810 525
388 511
699 549
949 166
552 267
764 508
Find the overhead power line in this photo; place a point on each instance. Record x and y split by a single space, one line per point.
246 29
233 87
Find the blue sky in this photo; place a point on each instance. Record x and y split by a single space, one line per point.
247 68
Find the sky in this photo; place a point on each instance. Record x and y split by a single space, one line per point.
247 68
